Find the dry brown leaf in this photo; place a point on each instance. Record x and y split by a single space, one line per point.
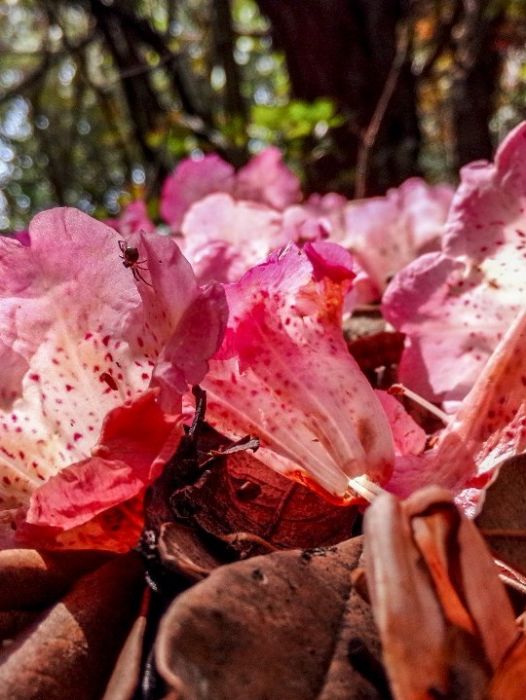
287 625
436 597
503 517
71 649
31 579
127 671
240 494
509 681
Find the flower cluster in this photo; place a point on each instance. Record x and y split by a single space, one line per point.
245 296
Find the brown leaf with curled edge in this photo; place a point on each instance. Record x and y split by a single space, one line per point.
181 551
240 494
502 520
70 650
287 625
436 598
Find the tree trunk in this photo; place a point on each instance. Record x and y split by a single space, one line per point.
344 49
478 64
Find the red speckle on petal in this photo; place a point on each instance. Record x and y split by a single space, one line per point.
110 381
34 377
77 436
69 387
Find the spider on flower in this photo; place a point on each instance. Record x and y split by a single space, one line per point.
130 258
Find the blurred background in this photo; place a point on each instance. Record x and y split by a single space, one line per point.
99 99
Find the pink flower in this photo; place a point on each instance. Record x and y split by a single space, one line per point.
191 181
456 305
81 339
489 427
285 374
133 219
223 237
387 233
265 179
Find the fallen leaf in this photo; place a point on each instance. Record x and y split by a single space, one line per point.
436 597
70 650
181 551
126 673
31 580
508 681
503 516
287 625
240 494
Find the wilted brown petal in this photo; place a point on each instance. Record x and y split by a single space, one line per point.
509 681
70 651
408 616
286 625
467 570
436 597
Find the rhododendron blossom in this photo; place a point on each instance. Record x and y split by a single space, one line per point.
285 375
489 427
387 233
80 341
457 304
265 179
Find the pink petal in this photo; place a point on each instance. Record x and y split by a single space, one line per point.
191 181
225 237
456 306
267 179
489 427
321 216
81 336
284 374
120 467
387 233
135 218
408 437
22 237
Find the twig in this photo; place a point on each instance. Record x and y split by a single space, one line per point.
369 136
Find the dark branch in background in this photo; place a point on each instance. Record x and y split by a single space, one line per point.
34 78
441 40
478 65
104 102
142 101
224 37
371 133
196 115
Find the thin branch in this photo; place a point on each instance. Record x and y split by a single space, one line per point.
442 36
369 136
49 59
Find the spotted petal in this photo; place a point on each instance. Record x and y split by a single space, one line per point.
81 337
284 374
456 305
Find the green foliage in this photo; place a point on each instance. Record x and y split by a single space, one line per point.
295 120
